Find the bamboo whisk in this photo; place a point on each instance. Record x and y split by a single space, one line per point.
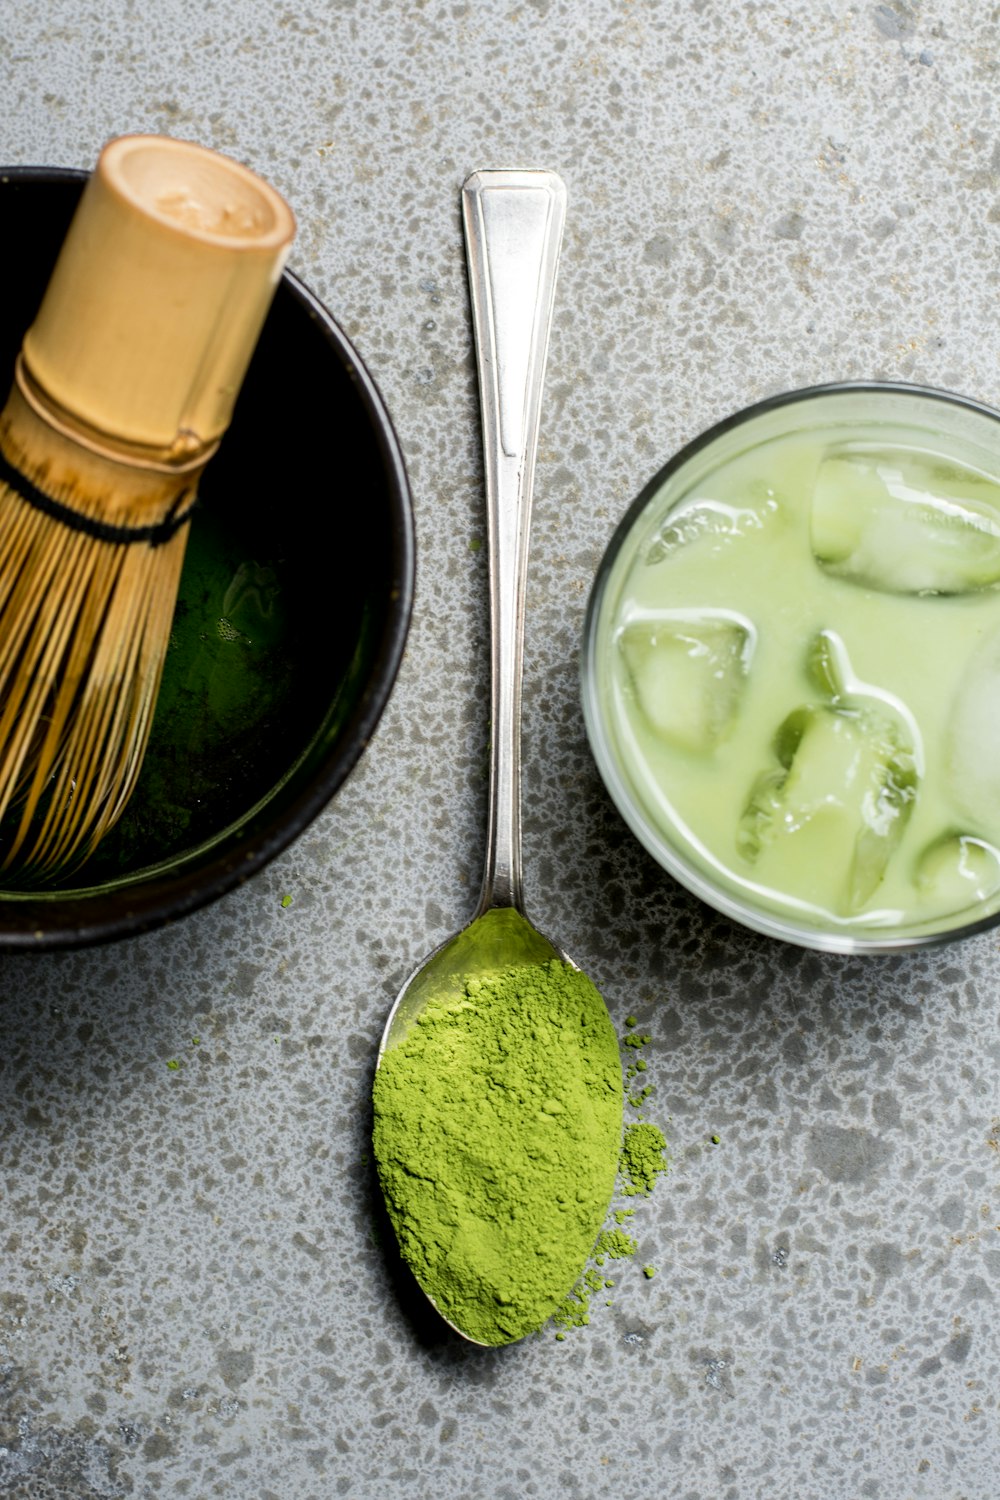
124 385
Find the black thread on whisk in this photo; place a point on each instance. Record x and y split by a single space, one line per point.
155 534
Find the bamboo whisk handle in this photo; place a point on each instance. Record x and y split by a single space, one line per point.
159 294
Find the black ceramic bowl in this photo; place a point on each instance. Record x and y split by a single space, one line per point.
290 625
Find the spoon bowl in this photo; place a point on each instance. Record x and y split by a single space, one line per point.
513 224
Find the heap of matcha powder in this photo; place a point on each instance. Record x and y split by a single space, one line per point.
498 1123
498 1137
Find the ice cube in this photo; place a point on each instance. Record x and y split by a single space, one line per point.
905 522
829 671
826 819
827 665
958 870
701 518
688 670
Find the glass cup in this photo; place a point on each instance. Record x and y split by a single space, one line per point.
791 667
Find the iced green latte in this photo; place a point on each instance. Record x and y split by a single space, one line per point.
792 666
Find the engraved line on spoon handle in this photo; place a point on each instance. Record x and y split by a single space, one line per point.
513 224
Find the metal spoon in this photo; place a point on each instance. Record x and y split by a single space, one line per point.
513 223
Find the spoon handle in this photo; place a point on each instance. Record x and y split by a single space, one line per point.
513 227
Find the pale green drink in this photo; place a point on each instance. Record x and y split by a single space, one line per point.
792 674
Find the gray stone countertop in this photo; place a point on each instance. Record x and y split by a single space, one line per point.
194 1297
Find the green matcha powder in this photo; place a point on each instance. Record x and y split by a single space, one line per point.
498 1127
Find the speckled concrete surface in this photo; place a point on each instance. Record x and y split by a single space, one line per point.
193 1297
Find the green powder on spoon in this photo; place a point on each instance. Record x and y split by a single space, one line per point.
498 1126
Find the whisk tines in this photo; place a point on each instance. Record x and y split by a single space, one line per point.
84 626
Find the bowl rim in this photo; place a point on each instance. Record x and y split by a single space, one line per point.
758 921
100 916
